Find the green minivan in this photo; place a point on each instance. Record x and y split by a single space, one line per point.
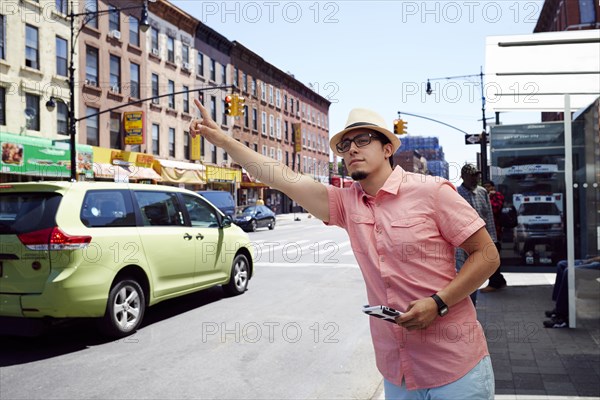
110 250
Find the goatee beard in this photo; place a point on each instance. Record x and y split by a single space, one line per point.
359 175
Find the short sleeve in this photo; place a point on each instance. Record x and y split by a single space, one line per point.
456 219
336 206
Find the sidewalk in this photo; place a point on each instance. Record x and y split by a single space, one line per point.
530 361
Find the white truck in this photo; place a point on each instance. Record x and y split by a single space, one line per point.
540 223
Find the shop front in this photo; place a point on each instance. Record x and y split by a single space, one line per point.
183 174
28 158
250 190
222 178
124 166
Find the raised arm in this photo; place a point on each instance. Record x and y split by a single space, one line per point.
304 190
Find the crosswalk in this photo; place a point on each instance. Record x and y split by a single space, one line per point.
303 253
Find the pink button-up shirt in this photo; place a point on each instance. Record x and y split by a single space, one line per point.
404 240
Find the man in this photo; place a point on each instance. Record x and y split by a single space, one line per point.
559 316
497 280
403 228
478 198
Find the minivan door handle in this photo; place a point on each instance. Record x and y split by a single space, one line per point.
199 236
187 236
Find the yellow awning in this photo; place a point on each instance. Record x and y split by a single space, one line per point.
182 172
102 170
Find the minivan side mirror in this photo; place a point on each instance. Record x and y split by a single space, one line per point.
226 222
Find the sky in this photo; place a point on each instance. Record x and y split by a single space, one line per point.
379 55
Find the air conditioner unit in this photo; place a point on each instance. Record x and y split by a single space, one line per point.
115 89
186 66
91 82
115 34
155 52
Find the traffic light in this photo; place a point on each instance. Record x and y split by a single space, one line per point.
231 105
400 127
241 105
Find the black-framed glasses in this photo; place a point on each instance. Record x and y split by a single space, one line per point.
359 140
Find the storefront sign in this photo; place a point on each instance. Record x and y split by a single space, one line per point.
297 137
133 126
26 155
195 148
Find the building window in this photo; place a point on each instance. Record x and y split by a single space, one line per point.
213 108
2 106
213 70
61 6
155 138
224 74
113 19
186 145
236 76
115 131
91 66
155 89
285 131
271 125
154 40
32 111
61 56
253 87
255 119
91 6
224 114
246 117
91 126
115 74
171 96
278 128
270 94
225 156
134 31
244 82
134 80
2 37
172 142
170 49
202 147
213 154
32 57
61 118
587 12
186 100
200 61
277 98
185 54
264 123
263 91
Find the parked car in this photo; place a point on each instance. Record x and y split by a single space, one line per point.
109 250
221 199
253 217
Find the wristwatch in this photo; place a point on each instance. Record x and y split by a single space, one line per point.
442 307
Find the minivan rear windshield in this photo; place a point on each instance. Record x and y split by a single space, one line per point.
27 212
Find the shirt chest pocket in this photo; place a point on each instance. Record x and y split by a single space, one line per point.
361 231
409 230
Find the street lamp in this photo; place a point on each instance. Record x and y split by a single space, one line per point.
51 103
483 140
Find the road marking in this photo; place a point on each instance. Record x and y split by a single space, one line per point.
293 264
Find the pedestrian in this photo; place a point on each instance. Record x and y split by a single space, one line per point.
478 198
403 228
260 202
559 316
497 280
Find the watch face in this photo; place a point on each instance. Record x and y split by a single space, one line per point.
443 311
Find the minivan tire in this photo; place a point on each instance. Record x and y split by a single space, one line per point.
124 310
240 274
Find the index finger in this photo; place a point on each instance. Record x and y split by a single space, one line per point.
203 111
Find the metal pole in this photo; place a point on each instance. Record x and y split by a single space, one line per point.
71 105
569 211
483 141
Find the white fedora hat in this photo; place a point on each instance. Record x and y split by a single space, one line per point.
365 119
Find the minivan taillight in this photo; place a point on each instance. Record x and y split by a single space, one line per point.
53 239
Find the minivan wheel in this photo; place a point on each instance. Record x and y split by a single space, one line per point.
125 309
240 273
272 224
